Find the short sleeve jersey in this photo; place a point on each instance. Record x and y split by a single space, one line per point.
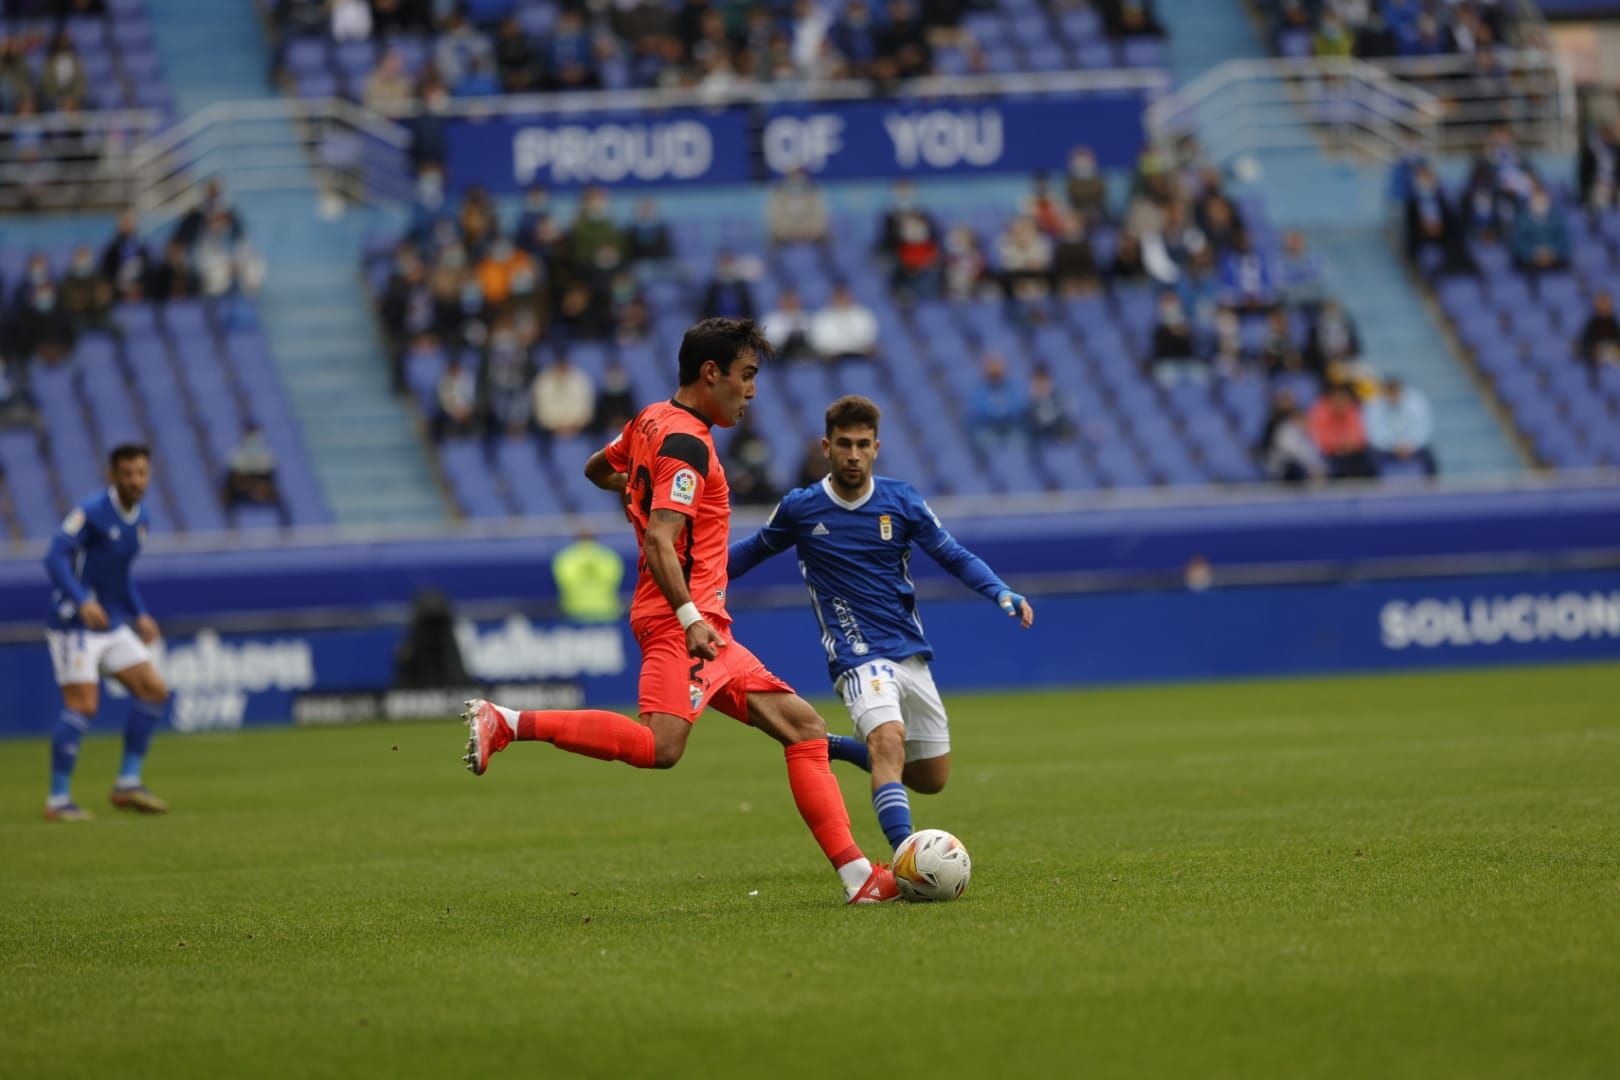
669 455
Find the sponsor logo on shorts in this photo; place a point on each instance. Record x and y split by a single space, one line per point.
683 489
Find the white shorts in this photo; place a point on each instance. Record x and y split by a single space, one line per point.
884 691
85 656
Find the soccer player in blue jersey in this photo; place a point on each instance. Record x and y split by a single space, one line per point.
854 533
100 627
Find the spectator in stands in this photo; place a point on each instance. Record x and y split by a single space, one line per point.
1175 353
226 264
902 201
1129 18
855 36
430 127
787 328
595 243
1227 356
400 16
796 211
16 81
1300 279
1200 288
1512 175
457 399
1598 167
1332 339
1433 239
86 296
528 294
1333 39
536 209
430 212
1279 354
917 272
1400 425
964 264
514 57
1599 342
460 48
63 80
571 59
479 219
1050 418
1540 238
580 315
1485 213
648 235
729 294
41 329
477 80
1041 207
1126 266
502 261
1074 267
1246 278
845 329
389 86
1025 255
563 398
748 466
351 20
198 217
1085 187
998 412
1337 428
615 400
903 49
1287 451
173 278
250 473
507 374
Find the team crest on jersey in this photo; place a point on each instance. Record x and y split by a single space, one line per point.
886 526
697 695
683 489
140 533
74 522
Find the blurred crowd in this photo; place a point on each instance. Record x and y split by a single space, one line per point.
1378 29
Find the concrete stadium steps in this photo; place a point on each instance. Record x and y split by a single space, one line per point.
361 436
1205 33
212 50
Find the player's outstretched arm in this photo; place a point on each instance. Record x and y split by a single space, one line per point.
773 538
658 548
965 566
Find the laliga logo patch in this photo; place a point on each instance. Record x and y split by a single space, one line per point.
683 489
73 522
886 526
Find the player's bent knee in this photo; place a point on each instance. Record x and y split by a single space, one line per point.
666 754
81 698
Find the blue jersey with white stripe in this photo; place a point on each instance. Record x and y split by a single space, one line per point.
90 559
856 561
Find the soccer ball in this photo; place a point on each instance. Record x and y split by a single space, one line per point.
932 865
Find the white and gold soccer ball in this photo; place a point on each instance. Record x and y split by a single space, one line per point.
932 865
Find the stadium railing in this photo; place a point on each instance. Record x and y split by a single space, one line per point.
1380 111
333 144
71 160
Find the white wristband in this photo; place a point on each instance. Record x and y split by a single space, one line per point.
687 613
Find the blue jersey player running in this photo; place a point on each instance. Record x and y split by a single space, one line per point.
854 533
100 627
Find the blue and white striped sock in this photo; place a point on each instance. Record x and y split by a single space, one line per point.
893 808
850 749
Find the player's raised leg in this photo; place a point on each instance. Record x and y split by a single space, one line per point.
146 715
791 720
79 701
655 743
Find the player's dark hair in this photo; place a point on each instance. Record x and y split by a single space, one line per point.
127 452
853 411
720 340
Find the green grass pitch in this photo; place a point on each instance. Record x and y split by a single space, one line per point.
1390 877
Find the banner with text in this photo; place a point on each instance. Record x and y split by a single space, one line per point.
832 140
338 676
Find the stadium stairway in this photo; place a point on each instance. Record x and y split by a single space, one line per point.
212 50
1205 33
372 466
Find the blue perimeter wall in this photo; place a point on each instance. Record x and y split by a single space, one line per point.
1378 583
